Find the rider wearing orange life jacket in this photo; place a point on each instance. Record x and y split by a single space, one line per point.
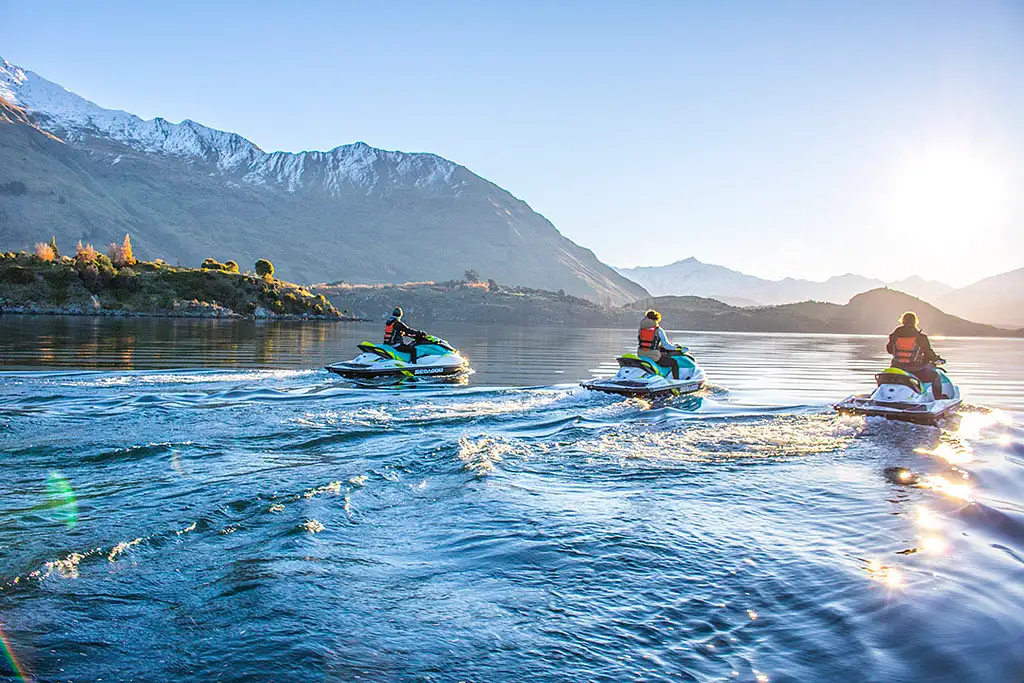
911 351
653 343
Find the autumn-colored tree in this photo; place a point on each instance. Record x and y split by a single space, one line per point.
86 254
53 245
45 252
126 251
230 267
121 254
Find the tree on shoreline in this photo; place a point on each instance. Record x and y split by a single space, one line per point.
121 254
264 268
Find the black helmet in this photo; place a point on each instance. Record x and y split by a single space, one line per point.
397 312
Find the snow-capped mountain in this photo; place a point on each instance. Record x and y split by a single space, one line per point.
76 119
186 191
695 278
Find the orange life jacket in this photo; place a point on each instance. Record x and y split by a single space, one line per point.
389 330
648 338
907 352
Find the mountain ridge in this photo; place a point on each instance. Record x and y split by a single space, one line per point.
691 276
353 212
998 299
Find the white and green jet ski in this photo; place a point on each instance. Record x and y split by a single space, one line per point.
900 395
643 377
384 365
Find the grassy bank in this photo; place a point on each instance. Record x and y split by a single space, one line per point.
91 283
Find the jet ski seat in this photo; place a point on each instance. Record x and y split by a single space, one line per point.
632 360
897 376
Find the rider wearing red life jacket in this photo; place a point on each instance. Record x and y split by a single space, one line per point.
911 351
653 343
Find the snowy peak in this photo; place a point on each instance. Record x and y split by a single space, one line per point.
695 278
355 167
75 119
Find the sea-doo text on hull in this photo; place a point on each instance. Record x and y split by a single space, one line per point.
383 365
902 396
642 377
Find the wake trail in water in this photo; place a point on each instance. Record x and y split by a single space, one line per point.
709 534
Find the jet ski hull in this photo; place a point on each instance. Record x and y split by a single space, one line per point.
902 396
409 372
641 377
382 365
638 389
919 413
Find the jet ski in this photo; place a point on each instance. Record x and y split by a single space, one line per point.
642 377
900 395
383 365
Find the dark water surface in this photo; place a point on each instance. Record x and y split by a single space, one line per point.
197 500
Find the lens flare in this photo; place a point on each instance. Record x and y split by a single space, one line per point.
16 666
61 499
934 544
890 576
928 519
893 578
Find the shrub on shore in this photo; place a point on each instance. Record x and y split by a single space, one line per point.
264 268
46 279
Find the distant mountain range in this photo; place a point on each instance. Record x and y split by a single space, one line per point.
872 312
997 300
73 169
691 277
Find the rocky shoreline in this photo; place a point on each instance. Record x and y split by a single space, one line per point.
181 309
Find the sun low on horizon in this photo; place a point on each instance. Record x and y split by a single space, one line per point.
947 195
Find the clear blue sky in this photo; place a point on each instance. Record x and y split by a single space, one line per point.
779 138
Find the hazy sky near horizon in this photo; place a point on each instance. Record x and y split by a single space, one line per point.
805 139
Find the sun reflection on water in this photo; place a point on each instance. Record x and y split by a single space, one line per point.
972 424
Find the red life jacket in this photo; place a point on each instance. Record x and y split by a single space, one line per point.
647 338
907 352
389 330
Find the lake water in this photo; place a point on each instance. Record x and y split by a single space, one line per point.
199 500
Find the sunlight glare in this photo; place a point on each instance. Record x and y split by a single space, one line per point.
953 490
950 189
949 453
972 424
934 544
928 519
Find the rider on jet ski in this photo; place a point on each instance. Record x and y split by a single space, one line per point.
395 332
653 343
912 352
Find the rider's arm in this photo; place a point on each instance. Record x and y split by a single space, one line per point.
408 331
926 348
663 338
891 346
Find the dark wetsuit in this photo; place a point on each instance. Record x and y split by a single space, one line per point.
921 363
395 332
